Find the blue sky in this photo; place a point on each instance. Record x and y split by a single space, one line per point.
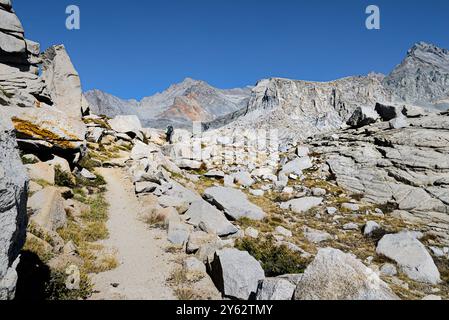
135 48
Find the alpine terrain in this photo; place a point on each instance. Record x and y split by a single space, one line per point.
295 190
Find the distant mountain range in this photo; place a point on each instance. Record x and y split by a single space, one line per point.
179 105
421 79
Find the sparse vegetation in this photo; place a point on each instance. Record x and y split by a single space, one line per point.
275 260
63 178
36 246
26 160
56 288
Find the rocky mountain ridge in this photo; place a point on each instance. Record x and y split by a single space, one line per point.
422 78
182 103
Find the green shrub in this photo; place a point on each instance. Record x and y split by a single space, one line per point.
63 178
26 161
56 289
275 260
97 183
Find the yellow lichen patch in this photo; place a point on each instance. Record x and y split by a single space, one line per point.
33 131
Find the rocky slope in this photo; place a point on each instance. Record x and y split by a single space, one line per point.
309 225
300 109
405 166
179 105
423 77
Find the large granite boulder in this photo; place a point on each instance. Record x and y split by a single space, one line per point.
335 275
234 203
363 116
62 80
236 273
125 124
208 218
47 208
411 255
275 289
13 209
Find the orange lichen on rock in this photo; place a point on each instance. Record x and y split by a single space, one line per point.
33 131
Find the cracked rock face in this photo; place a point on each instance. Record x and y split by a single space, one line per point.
408 167
423 77
300 109
13 212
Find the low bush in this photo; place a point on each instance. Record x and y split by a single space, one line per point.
276 260
63 178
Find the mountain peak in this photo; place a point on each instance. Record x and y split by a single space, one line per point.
423 77
426 47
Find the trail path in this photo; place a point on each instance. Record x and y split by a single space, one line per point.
143 263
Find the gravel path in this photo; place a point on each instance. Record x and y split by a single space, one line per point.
144 265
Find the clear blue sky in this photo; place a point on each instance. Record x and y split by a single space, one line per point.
135 48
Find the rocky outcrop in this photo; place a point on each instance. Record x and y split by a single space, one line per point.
300 109
46 110
407 167
13 212
423 77
62 81
334 275
48 128
19 58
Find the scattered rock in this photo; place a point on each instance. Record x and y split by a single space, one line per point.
244 179
229 181
215 174
351 226
257 193
47 206
334 275
388 270
194 268
236 273
370 228
297 166
275 289
399 123
178 233
252 233
198 239
350 206
234 203
304 204
209 219
318 192
283 232
316 236
411 255
86 174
